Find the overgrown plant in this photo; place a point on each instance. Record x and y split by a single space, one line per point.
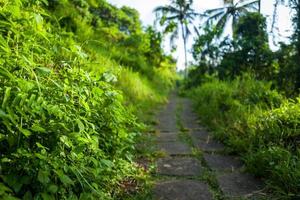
65 132
258 123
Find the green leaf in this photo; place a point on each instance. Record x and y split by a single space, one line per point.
37 128
43 70
6 96
41 146
65 140
108 163
4 189
4 72
43 176
3 114
72 197
38 19
12 181
41 156
84 196
11 198
27 196
4 45
52 189
47 196
25 132
25 85
80 125
2 137
5 160
66 180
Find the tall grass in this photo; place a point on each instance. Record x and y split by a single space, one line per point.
257 123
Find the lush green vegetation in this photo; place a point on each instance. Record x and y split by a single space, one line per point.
73 77
248 94
79 77
257 123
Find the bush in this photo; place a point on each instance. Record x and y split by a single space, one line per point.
262 162
228 105
280 168
280 125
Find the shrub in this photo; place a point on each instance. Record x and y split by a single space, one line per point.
280 125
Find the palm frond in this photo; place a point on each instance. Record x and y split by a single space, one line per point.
195 14
222 23
216 16
242 11
174 36
210 11
234 24
166 9
187 32
171 18
248 4
230 10
252 7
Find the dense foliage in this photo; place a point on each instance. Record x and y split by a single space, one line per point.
258 123
65 132
249 96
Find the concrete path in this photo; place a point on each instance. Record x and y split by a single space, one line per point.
194 166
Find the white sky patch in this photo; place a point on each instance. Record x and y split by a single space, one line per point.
146 8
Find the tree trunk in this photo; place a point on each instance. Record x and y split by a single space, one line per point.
259 6
185 51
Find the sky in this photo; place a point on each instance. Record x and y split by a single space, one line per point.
146 7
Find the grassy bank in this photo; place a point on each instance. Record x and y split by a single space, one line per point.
69 103
258 123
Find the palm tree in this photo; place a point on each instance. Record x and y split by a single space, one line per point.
176 18
231 10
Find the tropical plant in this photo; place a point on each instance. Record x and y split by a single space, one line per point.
296 37
251 51
230 12
178 15
290 69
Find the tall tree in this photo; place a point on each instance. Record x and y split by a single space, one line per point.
231 12
295 6
251 52
178 17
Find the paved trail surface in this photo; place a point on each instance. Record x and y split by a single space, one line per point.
195 166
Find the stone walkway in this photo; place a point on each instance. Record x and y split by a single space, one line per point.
194 166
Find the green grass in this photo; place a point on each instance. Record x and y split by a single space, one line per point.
257 123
